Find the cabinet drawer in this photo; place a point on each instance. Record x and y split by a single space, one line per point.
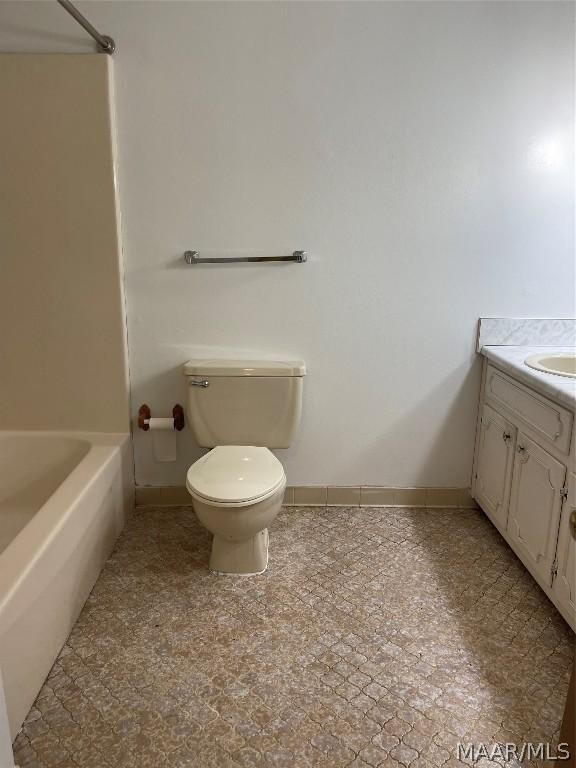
550 421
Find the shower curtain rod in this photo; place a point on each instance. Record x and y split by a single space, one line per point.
105 44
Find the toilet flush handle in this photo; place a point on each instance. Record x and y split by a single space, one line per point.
196 383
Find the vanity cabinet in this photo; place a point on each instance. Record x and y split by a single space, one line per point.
535 504
524 481
496 444
565 581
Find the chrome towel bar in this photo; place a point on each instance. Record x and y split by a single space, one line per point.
193 257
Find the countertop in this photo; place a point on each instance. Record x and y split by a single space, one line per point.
562 389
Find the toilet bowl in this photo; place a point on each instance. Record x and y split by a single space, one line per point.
237 491
241 409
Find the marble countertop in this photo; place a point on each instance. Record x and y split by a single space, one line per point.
562 389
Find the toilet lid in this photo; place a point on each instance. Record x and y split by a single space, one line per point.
234 473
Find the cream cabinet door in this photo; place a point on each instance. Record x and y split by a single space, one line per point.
535 505
565 581
494 465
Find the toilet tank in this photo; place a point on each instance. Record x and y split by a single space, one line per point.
244 402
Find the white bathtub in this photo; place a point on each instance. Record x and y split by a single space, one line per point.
64 498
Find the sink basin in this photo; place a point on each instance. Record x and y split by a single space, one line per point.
561 365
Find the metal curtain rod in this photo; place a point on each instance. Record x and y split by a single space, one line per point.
105 43
193 257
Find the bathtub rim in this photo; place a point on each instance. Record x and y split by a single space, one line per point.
19 558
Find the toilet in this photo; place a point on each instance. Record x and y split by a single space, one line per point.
241 409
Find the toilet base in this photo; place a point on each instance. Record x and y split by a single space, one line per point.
240 558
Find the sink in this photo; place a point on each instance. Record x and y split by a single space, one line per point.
559 364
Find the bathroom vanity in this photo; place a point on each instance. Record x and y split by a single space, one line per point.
524 475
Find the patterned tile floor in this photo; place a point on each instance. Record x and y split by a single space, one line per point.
378 637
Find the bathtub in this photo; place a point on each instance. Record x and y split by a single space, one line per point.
64 498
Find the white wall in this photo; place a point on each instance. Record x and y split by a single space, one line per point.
62 318
421 152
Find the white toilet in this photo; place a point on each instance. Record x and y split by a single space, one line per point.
240 409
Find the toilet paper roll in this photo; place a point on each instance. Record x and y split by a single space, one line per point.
163 439
160 423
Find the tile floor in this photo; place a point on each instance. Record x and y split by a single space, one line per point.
378 637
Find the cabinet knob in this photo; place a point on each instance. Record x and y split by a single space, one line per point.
506 436
521 449
573 523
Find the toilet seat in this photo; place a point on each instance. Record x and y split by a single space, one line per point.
235 475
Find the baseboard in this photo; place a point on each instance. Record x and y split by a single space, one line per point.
162 496
331 496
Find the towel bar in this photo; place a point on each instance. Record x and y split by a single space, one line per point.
193 257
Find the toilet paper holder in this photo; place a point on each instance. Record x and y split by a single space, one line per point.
144 416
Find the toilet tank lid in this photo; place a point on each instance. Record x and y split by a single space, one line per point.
244 368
